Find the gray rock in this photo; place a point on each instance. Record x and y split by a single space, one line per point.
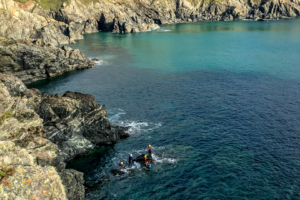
51 129
31 62
75 122
73 182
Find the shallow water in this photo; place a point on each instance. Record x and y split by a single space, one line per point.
218 101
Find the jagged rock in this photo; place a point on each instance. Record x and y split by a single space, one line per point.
31 62
24 147
76 123
29 181
39 132
73 182
67 24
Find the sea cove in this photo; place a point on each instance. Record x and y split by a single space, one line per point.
218 101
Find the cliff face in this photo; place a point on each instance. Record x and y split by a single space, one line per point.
39 133
69 19
142 15
31 62
36 28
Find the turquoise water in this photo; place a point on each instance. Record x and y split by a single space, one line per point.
218 101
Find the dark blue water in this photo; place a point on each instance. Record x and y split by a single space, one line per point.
219 102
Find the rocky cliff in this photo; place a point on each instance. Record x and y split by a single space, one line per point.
31 62
65 21
35 26
39 133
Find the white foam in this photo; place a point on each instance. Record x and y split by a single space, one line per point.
100 62
162 30
163 160
136 127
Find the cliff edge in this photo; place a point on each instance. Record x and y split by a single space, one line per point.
39 133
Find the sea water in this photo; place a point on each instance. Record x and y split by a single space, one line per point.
218 101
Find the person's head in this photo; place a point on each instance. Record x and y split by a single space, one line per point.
145 156
149 145
130 155
121 163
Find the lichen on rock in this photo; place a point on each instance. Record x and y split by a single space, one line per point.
39 133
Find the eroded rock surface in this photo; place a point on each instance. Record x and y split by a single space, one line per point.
76 17
31 62
39 133
76 123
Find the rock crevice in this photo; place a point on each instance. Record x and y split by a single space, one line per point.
39 133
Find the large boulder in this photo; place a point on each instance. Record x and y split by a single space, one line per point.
76 123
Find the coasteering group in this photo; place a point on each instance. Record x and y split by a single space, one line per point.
146 161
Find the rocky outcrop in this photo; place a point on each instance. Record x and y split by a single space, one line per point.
34 24
73 182
39 133
73 18
24 147
31 62
143 15
76 123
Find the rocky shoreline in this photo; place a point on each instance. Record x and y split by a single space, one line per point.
30 30
40 133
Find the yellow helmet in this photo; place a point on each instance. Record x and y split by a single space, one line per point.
131 155
149 145
121 163
145 156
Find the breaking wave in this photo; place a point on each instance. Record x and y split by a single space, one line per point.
137 127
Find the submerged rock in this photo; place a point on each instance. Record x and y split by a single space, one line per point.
116 172
140 158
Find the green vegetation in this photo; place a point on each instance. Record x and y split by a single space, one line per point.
22 1
3 118
54 4
48 4
4 172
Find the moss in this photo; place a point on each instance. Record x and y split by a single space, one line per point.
4 117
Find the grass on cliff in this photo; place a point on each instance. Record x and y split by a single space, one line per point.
5 172
54 4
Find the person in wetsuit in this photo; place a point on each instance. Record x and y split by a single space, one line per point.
149 164
149 149
130 159
145 159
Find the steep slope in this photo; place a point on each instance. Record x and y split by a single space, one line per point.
31 62
39 133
